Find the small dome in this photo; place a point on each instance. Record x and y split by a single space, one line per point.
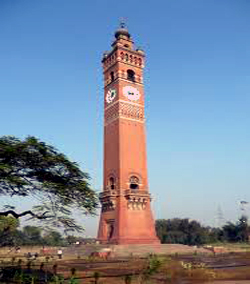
139 49
105 54
122 31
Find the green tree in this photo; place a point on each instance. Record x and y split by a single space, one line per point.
53 238
182 231
31 168
9 224
19 238
8 227
72 239
243 229
215 235
32 235
237 232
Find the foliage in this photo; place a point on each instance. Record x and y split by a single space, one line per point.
237 232
8 227
31 168
32 235
128 278
184 231
96 276
72 239
9 224
153 265
73 279
53 238
181 231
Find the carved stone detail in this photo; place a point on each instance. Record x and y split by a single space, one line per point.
131 111
137 199
108 200
111 113
124 110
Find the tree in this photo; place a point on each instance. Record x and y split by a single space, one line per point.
243 229
53 238
32 235
230 232
236 232
9 224
8 227
72 239
31 168
182 231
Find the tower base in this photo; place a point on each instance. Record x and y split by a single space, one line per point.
130 241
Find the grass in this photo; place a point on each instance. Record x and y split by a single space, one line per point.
154 269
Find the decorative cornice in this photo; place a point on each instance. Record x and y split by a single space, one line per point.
119 77
128 102
124 110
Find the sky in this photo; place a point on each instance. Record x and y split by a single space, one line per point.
197 88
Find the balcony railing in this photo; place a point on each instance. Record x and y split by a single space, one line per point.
136 192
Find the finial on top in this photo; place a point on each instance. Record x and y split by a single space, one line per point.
122 30
122 23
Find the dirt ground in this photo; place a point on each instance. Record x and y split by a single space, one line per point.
230 282
233 268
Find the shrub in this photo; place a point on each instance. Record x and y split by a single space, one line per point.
96 276
128 279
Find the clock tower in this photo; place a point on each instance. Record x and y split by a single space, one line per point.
126 216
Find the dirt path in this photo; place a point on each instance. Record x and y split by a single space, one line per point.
230 282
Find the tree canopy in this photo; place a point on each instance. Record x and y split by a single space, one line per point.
191 232
8 226
182 231
237 232
31 168
13 236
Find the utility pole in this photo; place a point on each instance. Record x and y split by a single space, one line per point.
243 206
219 217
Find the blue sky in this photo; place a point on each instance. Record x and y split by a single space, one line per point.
197 84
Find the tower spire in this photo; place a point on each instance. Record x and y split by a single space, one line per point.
122 31
122 23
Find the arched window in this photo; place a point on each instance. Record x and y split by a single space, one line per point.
112 76
126 57
135 59
122 55
140 62
131 75
134 183
112 183
131 58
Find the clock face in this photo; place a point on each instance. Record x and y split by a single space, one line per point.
131 93
111 94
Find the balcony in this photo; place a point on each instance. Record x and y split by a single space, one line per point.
136 192
108 193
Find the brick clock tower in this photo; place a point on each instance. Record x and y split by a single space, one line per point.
126 216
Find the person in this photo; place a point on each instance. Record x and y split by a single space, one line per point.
59 253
